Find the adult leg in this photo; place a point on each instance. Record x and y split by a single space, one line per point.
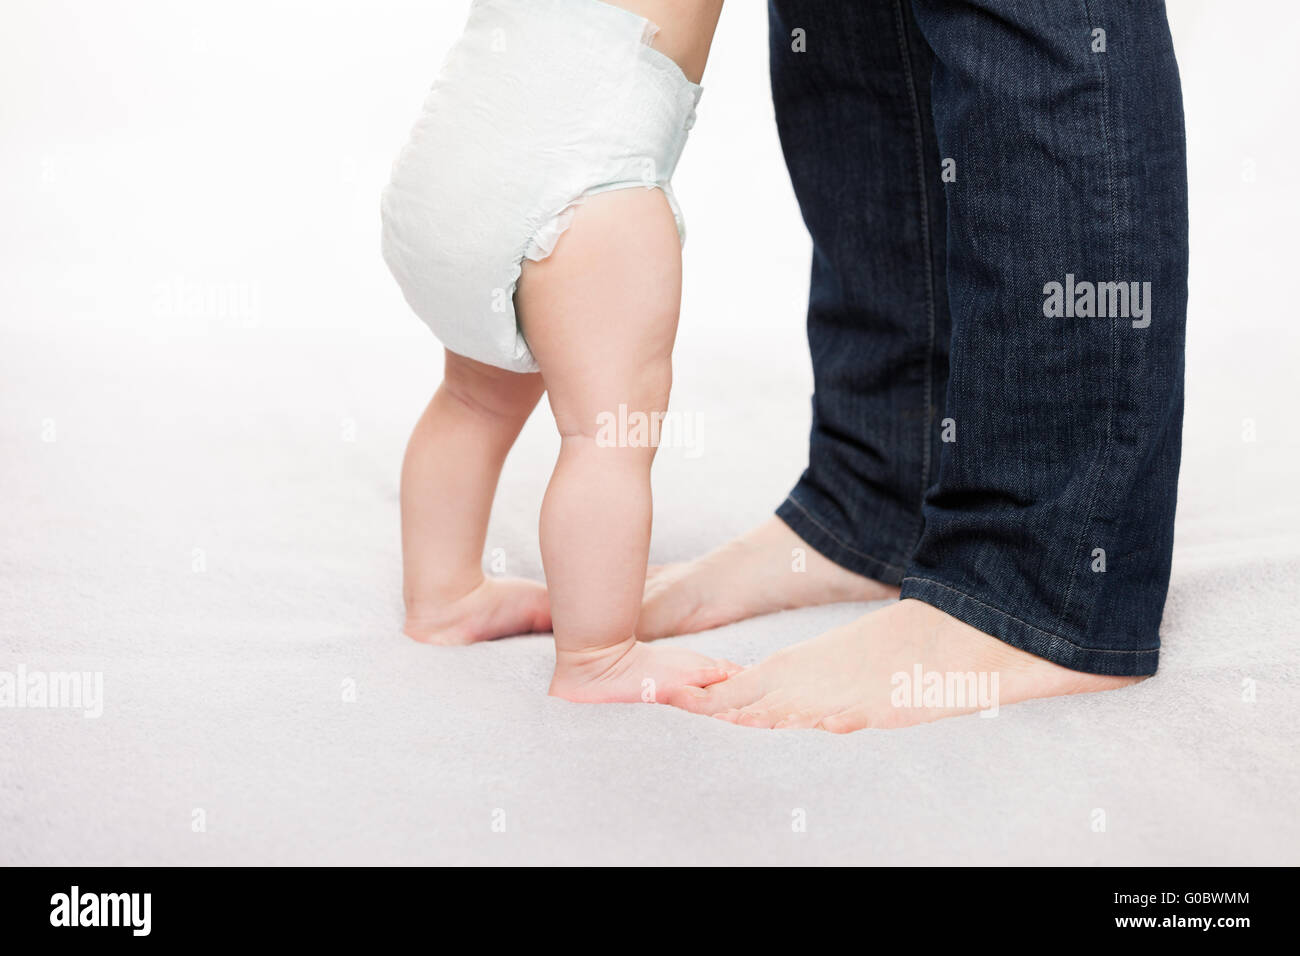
1048 535
1052 523
851 88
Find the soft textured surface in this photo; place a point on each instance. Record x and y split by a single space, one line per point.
206 333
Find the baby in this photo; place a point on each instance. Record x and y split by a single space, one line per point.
531 223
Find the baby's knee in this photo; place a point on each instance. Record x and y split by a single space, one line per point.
630 417
490 391
653 382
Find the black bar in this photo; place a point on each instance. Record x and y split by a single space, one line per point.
332 906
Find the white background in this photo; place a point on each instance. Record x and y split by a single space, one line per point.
233 152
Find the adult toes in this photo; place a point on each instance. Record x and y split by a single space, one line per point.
762 713
804 719
846 721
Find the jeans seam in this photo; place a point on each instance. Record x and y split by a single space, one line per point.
1012 617
918 142
834 537
1103 455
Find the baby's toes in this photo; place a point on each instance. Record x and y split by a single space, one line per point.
712 674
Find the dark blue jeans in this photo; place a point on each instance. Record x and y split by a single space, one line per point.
997 197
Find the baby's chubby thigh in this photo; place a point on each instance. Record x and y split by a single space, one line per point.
600 313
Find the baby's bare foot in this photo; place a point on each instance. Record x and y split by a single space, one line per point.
497 607
754 574
633 672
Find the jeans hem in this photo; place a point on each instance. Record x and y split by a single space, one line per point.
1011 630
820 538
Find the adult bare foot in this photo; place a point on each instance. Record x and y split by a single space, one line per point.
876 672
769 569
496 607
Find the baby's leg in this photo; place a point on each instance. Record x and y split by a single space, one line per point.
449 478
600 315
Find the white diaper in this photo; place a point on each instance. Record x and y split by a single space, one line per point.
540 104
